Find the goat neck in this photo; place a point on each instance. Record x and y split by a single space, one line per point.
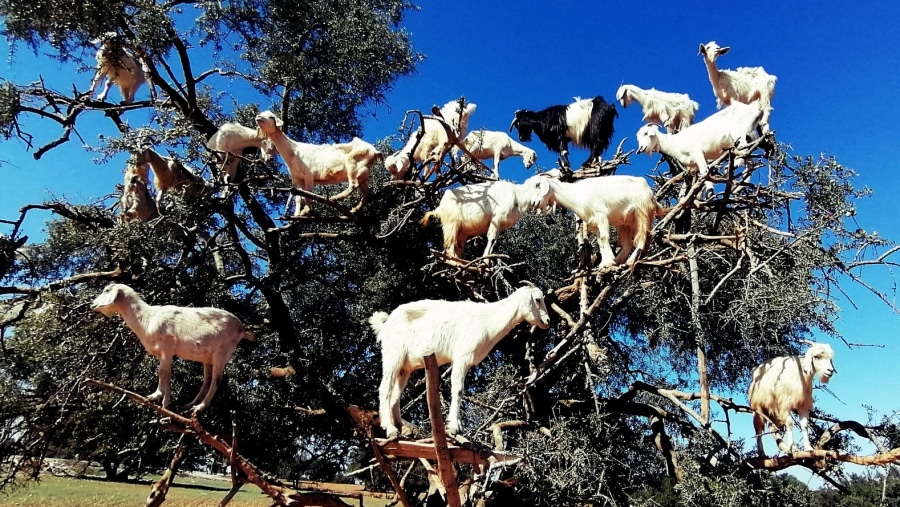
501 317
283 144
564 193
135 312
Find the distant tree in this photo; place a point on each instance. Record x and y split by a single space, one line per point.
863 489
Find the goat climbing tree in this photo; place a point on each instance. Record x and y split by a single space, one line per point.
588 410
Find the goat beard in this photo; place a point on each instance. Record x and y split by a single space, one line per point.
824 378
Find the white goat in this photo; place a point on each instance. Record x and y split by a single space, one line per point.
472 210
783 385
118 65
229 142
490 144
458 332
675 111
169 175
435 142
205 335
706 140
746 84
326 164
136 202
626 202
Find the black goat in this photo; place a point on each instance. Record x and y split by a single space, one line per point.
586 122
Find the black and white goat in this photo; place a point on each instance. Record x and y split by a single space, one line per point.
587 123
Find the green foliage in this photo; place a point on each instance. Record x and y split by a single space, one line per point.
9 108
864 490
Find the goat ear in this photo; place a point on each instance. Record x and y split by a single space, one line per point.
279 122
106 298
807 363
702 49
724 50
544 186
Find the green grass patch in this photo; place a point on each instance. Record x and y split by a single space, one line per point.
186 491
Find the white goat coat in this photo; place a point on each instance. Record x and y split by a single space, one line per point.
435 142
321 164
746 84
118 66
782 385
704 141
625 202
136 202
490 144
675 111
458 332
169 175
205 335
229 142
472 210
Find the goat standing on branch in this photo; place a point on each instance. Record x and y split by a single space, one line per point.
229 142
205 335
458 332
435 142
118 65
476 209
746 84
136 202
626 202
488 144
707 140
586 122
169 174
325 164
675 111
782 385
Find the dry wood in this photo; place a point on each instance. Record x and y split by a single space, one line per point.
160 488
389 471
416 450
445 464
603 168
797 458
700 334
192 427
497 431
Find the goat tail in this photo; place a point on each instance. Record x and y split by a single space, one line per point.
249 336
427 218
377 321
662 211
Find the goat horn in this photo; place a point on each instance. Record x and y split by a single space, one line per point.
514 123
526 282
808 342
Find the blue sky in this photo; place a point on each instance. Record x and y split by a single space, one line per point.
837 93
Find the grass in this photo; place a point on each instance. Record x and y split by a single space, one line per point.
54 491
67 492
